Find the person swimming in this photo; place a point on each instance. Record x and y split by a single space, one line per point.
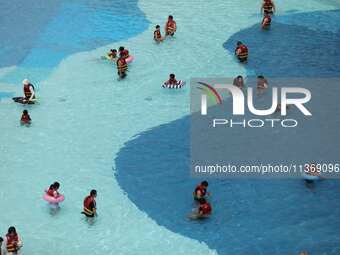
262 82
172 80
170 26
90 206
241 52
203 211
13 243
157 36
238 82
122 67
266 21
268 7
29 93
200 191
25 118
123 53
53 190
112 55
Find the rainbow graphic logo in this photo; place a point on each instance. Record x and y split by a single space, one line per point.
211 92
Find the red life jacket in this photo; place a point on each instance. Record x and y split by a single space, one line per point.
124 53
11 243
87 206
170 26
242 51
268 6
157 34
202 189
205 208
122 65
25 118
50 192
27 91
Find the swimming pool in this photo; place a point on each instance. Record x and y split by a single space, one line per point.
89 129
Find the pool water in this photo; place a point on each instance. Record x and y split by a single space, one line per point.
85 119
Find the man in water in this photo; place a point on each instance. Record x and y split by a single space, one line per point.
200 191
29 93
90 206
241 52
13 242
266 21
122 67
170 26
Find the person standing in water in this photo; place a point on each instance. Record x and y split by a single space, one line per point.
90 205
122 67
241 52
157 36
170 26
200 191
239 82
13 242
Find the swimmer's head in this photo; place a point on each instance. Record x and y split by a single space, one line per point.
260 77
158 27
12 231
170 17
113 50
56 185
204 183
121 48
172 76
93 193
239 43
25 112
239 77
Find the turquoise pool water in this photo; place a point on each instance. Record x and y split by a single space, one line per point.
86 117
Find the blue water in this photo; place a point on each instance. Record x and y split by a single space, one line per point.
298 45
250 216
40 34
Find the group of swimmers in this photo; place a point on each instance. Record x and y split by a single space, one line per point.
170 30
89 203
120 57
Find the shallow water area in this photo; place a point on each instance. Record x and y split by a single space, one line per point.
84 118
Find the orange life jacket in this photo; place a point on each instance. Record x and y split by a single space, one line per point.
122 65
25 118
170 26
268 6
242 51
202 189
157 35
205 208
12 243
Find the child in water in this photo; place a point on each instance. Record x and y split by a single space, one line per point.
25 118
172 80
157 36
112 55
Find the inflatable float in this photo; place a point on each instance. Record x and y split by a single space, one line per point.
129 59
180 84
22 100
53 200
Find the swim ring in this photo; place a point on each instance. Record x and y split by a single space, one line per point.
178 85
129 59
53 200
